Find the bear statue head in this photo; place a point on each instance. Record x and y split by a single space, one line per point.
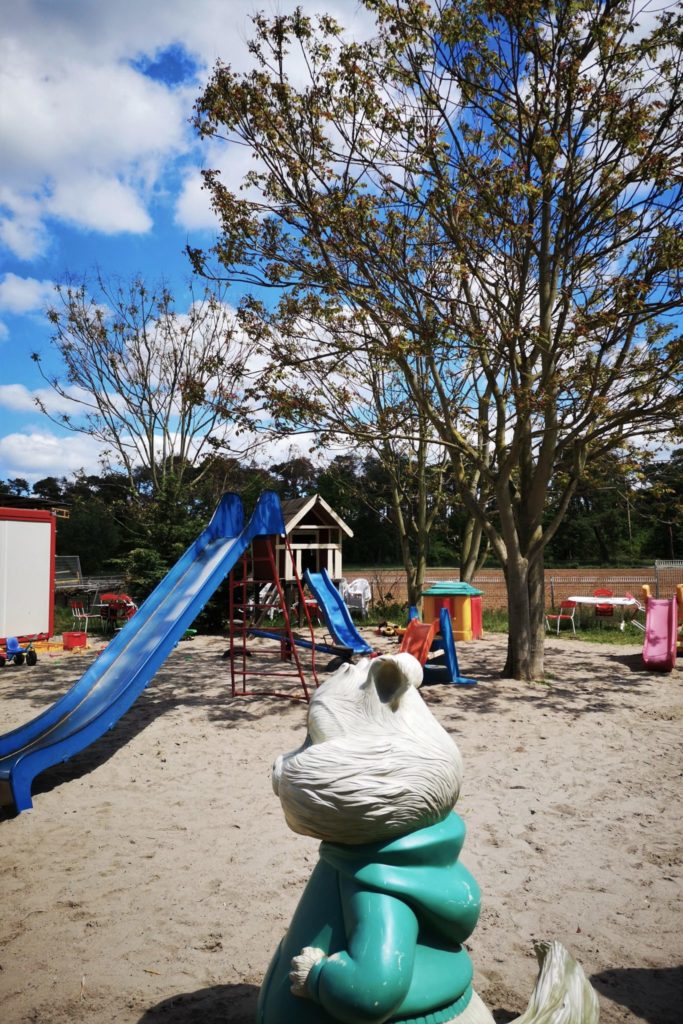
376 764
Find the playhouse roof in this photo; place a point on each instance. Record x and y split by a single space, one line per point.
294 510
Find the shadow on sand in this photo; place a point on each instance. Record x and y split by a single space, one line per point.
222 1004
654 994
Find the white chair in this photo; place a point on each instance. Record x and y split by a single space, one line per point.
269 600
358 596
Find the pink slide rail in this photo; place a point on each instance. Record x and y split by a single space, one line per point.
661 627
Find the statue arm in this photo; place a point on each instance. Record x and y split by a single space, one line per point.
367 982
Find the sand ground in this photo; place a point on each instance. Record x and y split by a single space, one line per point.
155 874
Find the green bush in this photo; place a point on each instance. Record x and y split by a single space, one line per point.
143 569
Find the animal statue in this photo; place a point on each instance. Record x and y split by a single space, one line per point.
379 933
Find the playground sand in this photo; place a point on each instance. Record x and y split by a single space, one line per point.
155 874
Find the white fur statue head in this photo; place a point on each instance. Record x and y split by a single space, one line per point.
376 763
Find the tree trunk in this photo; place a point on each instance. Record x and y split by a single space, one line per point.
604 552
415 593
469 552
415 569
525 589
537 616
412 566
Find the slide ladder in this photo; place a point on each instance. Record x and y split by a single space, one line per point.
256 591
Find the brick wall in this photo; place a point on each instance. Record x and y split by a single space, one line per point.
559 583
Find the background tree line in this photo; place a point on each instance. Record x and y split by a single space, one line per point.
619 516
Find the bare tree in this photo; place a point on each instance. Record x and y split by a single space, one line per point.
358 404
158 388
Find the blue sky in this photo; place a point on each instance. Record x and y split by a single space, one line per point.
101 167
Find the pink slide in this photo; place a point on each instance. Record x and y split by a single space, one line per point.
661 625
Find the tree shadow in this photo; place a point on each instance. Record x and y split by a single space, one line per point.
200 679
653 993
221 1004
581 680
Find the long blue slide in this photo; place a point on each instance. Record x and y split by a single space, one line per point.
112 683
335 613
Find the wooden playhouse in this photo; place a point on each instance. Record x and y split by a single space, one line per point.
314 532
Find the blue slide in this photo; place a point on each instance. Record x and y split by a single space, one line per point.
114 680
335 613
444 667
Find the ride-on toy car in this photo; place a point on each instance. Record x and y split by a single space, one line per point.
14 652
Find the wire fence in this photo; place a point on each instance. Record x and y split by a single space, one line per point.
70 579
669 574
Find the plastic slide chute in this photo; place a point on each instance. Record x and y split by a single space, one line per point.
418 639
444 667
661 627
129 662
335 613
422 639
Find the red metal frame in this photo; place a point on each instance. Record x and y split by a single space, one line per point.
39 516
289 651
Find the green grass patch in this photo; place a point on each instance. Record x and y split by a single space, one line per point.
606 635
63 620
496 621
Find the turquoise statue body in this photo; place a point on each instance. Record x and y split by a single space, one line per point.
391 919
378 935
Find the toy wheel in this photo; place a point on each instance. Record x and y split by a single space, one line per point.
18 659
31 658
3 661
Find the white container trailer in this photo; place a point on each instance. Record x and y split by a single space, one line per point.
27 573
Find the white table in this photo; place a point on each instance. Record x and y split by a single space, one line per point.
617 602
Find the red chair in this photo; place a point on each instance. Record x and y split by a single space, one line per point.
565 614
603 611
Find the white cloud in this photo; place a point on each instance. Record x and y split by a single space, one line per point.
34 454
25 294
100 203
193 208
87 137
19 398
84 144
21 228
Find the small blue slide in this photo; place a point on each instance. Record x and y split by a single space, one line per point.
444 667
112 683
335 613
